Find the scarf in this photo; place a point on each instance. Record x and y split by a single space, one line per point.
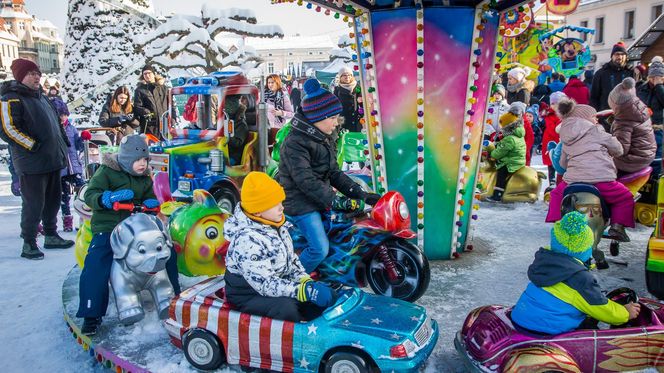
515 87
275 98
350 86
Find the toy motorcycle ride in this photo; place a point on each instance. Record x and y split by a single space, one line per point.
374 250
522 186
490 342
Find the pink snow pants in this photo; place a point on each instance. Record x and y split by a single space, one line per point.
615 194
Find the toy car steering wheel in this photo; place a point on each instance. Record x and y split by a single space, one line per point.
623 296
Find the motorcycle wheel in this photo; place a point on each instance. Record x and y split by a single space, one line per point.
412 267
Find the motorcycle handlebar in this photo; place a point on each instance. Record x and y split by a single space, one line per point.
118 206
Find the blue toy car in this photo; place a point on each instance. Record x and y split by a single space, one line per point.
360 333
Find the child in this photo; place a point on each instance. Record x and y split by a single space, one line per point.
510 152
122 177
532 116
308 170
529 137
71 175
264 276
587 157
562 292
551 122
632 127
497 107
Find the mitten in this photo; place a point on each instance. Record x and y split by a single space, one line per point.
342 203
108 197
316 292
151 203
371 198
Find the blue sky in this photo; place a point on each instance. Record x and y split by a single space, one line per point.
292 18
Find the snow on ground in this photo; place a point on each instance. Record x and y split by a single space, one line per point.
34 336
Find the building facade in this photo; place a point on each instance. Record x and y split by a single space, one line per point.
38 40
293 54
614 21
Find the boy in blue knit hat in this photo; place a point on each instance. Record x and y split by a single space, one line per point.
562 292
308 171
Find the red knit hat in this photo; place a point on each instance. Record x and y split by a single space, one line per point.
21 67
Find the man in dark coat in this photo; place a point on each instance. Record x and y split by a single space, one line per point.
150 100
38 144
308 170
609 76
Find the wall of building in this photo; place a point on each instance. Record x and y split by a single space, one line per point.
615 22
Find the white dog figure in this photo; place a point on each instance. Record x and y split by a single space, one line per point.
141 248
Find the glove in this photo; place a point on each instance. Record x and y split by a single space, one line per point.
123 118
151 203
108 197
371 198
342 203
316 292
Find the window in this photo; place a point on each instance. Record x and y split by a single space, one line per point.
270 68
599 30
584 24
629 25
21 25
655 12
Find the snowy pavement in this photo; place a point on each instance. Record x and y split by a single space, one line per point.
34 336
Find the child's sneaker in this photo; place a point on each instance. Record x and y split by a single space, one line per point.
617 232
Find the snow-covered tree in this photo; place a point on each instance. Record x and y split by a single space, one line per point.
99 53
186 42
343 50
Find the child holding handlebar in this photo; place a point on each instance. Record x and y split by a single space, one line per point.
123 177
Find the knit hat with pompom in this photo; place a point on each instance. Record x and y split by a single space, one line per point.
622 93
568 108
318 104
572 236
514 113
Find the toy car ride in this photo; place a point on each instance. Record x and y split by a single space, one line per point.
360 333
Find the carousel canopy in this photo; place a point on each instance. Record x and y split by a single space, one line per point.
646 40
348 7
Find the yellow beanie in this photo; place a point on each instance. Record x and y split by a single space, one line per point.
260 193
507 119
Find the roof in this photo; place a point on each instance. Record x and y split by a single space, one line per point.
9 36
294 42
43 23
372 5
10 13
648 38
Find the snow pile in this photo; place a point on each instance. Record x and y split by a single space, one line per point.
186 42
98 47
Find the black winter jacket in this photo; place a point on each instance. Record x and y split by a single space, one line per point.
150 98
110 119
653 97
349 111
522 95
31 127
605 79
308 170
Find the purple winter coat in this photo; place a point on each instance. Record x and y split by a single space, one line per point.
73 161
588 152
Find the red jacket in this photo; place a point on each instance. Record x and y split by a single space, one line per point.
578 91
530 139
551 121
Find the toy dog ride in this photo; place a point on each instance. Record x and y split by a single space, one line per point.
351 336
490 342
195 153
522 186
374 251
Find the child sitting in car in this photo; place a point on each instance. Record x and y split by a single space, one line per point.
562 292
264 276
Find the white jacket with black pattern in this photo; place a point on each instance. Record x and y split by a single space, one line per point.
263 255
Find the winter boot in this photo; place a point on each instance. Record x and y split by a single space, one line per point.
90 325
40 230
31 251
497 195
68 223
617 232
57 242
